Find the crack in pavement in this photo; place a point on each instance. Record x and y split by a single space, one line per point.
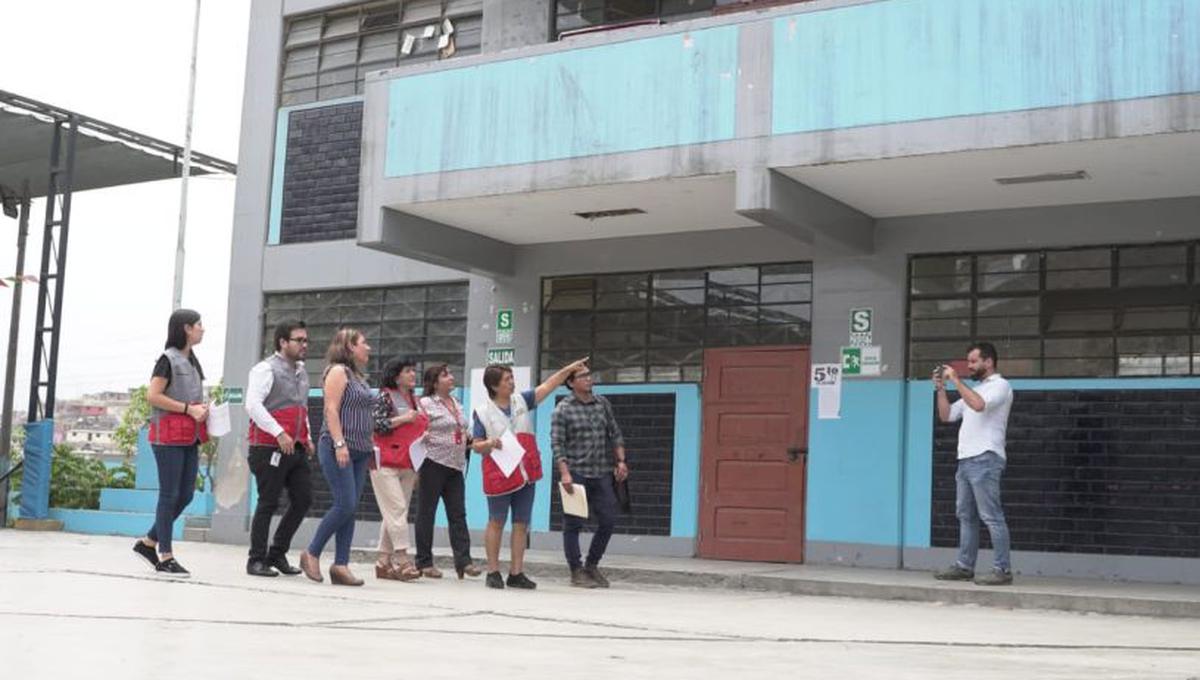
1033 646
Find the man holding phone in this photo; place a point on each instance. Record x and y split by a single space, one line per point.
983 410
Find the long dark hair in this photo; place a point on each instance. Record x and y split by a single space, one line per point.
430 381
177 334
176 331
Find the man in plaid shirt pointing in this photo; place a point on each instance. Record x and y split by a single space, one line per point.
589 451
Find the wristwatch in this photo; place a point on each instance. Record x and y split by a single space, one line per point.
341 443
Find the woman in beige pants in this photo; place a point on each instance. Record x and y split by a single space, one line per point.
398 423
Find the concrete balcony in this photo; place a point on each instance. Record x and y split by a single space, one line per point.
813 119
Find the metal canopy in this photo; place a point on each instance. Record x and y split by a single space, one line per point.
105 155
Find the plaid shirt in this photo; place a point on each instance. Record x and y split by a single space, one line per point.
584 435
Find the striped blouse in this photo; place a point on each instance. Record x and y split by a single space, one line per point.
355 413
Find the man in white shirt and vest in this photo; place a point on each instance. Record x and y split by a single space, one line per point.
277 402
983 410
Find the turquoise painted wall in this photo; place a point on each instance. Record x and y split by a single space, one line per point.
641 94
853 493
906 60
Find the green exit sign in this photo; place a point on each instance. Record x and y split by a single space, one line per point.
503 356
504 320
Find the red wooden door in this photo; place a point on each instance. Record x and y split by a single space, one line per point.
754 452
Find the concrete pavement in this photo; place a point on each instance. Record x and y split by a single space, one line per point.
81 606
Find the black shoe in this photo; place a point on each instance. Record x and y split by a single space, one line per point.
580 579
260 568
520 581
954 572
596 575
494 580
169 567
995 578
280 562
146 552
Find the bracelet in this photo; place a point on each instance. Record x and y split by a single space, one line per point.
185 408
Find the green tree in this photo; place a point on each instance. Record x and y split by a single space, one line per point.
132 422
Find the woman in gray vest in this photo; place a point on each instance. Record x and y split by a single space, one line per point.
344 450
177 429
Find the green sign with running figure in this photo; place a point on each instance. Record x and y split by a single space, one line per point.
851 361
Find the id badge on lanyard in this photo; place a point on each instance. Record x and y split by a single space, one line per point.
458 431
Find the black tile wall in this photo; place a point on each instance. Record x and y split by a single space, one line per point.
1098 471
320 177
648 424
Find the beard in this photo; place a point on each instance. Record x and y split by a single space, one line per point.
979 374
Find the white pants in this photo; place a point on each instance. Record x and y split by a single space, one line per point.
393 489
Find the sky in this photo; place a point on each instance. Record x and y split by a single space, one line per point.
125 62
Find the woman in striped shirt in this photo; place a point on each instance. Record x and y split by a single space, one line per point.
344 451
441 476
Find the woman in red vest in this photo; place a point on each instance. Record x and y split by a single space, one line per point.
398 423
504 411
177 429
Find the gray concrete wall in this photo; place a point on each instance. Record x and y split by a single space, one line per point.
510 24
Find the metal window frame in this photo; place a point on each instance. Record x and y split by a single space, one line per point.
427 289
360 10
1119 300
649 307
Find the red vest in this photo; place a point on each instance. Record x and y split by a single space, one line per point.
177 429
495 483
293 420
393 446
529 471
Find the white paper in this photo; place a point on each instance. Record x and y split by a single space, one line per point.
872 360
407 47
574 503
219 423
443 41
416 453
429 31
829 402
827 380
447 27
509 455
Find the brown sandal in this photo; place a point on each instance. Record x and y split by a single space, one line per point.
431 572
406 571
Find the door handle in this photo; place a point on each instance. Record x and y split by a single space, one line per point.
794 453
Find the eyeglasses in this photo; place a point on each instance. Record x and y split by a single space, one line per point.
302 341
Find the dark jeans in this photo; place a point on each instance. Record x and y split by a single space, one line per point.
177 469
346 484
436 481
602 504
292 474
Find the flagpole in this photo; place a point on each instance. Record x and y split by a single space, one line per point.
177 296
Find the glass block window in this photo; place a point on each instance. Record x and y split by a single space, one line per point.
327 55
428 323
1091 312
654 326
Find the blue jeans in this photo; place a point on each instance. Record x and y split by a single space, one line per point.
177 469
978 497
602 504
346 484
